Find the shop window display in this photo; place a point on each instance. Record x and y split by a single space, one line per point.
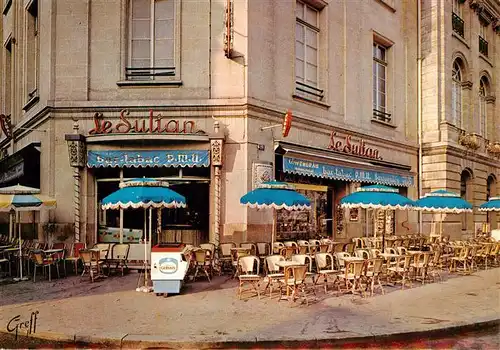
304 224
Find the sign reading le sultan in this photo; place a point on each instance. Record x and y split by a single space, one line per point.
153 124
348 145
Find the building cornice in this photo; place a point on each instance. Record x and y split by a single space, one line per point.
432 150
488 12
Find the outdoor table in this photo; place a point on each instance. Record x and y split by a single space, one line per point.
287 265
53 251
389 255
351 258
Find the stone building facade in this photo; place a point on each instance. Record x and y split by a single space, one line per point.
460 113
169 81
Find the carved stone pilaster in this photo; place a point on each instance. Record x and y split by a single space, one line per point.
216 151
77 160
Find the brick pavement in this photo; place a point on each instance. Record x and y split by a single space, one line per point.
212 313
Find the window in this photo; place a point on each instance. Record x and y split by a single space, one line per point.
306 50
380 83
483 113
483 42
8 79
153 35
456 18
457 7
456 95
32 53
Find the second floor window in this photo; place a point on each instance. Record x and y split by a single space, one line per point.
456 95
32 51
152 39
306 48
483 42
457 18
483 86
379 78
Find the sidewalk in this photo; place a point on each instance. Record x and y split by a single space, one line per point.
111 312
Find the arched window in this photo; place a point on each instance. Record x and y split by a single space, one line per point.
483 110
456 94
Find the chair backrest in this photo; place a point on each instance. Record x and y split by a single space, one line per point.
298 273
249 265
303 259
120 251
375 252
85 255
58 245
225 248
251 246
377 265
362 253
75 249
355 267
407 262
338 248
302 242
263 249
357 242
303 249
313 249
208 246
401 250
323 248
314 242
271 261
324 261
325 241
349 247
277 247
287 252
200 255
38 257
104 249
290 244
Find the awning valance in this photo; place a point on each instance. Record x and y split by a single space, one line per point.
336 172
148 158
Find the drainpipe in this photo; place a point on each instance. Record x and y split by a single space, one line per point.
419 105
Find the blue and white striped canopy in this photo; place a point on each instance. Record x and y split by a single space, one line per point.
492 205
144 193
376 197
277 195
442 201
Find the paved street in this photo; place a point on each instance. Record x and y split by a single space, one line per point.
211 312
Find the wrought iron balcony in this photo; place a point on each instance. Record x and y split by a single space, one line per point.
483 46
148 73
309 91
381 116
458 24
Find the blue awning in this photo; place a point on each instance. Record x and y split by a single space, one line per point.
335 172
146 158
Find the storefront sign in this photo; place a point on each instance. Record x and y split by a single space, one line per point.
310 168
150 125
348 145
136 159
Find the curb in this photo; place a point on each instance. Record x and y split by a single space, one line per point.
123 340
